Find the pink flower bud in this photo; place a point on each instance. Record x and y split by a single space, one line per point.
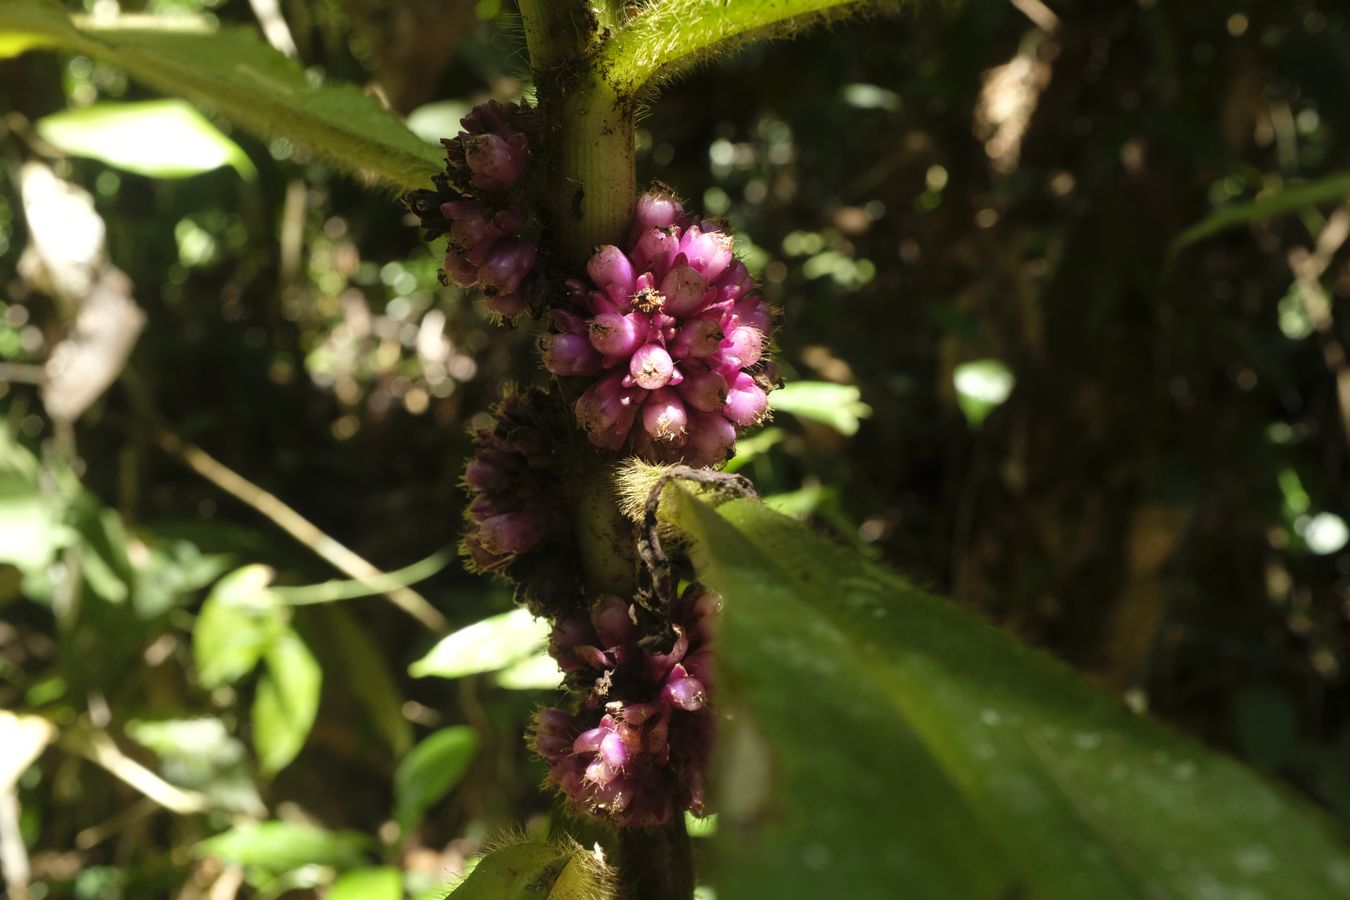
657 209
683 288
664 416
743 347
570 354
753 312
506 305
704 389
615 334
707 251
746 401
612 272
656 250
651 367
711 439
699 337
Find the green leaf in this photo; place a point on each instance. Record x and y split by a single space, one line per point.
159 138
232 72
538 673
31 530
839 406
880 739
200 754
281 846
286 703
981 387
430 770
487 646
237 623
533 870
1331 189
368 884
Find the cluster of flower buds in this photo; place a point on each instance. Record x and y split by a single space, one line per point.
511 479
677 335
479 205
637 751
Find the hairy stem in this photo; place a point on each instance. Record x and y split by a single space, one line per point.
607 539
675 34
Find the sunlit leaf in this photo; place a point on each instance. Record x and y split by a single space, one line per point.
438 120
236 625
487 646
30 527
839 406
368 884
286 703
159 138
22 739
234 73
200 754
539 672
281 846
981 387
880 739
430 770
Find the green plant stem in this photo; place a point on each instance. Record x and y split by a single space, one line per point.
675 34
656 863
606 538
593 180
555 30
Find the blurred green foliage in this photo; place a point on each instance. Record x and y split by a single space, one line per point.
1157 492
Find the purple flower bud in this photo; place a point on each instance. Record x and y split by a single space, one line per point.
651 367
615 334
507 306
613 751
683 288
664 416
459 270
684 691
510 532
746 401
486 470
657 209
484 508
743 347
735 282
612 272
590 741
471 223
506 266
570 354
496 163
704 389
707 251
606 410
611 620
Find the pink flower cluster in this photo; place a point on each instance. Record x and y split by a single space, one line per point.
677 335
637 751
479 205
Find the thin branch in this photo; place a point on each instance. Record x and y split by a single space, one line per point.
305 531
98 748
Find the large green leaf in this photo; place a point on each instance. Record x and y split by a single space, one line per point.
281 846
533 870
430 770
382 883
159 138
883 742
232 72
286 703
